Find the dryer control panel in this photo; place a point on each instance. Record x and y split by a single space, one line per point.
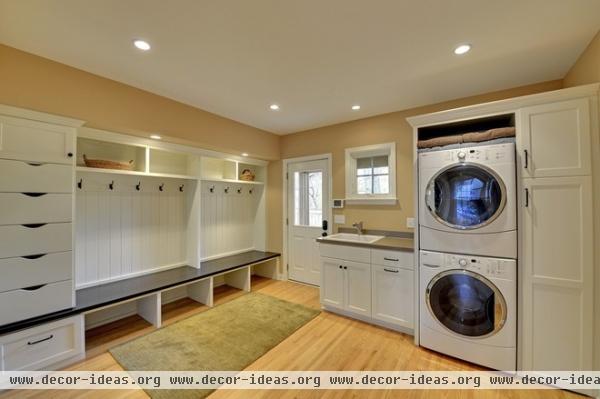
486 266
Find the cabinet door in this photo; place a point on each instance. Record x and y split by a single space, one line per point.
558 274
392 297
332 282
555 139
26 140
358 288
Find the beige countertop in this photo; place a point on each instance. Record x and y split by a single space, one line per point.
392 243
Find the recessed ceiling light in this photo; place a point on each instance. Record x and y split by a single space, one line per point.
355 107
274 107
141 44
244 154
155 136
462 49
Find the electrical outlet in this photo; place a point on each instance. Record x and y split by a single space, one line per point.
410 222
339 219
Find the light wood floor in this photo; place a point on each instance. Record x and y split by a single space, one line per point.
328 342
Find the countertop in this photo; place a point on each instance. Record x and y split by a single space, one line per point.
392 243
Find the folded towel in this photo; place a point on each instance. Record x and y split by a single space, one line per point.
440 141
489 134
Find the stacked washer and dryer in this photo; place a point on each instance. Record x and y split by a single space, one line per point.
468 251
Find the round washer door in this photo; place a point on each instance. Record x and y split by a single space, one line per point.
465 196
466 303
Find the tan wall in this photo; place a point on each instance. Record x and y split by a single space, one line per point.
378 129
33 82
587 68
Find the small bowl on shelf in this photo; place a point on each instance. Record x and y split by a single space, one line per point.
106 164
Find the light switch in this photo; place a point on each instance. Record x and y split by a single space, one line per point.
410 222
339 219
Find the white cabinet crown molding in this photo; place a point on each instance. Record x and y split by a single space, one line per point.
23 113
502 106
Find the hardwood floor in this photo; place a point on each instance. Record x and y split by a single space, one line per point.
328 342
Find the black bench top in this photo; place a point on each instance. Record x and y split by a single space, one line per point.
98 296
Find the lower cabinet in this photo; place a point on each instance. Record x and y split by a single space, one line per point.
377 293
392 296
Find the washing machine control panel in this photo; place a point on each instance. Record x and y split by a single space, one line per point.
485 266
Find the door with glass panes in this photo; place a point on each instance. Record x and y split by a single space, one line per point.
307 218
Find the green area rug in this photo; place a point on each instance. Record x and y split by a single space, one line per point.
228 337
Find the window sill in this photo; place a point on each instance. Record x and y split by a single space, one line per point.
371 201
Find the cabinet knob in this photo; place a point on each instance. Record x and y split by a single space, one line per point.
341 266
70 155
345 267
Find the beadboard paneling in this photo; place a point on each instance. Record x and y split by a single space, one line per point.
124 232
228 218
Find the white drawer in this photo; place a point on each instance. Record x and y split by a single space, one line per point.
20 208
22 177
29 271
19 240
39 347
27 303
28 140
386 257
346 252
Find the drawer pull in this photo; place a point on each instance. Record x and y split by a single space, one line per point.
34 194
34 163
33 287
390 270
34 225
36 256
40 340
391 259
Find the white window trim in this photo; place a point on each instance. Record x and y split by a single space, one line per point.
352 197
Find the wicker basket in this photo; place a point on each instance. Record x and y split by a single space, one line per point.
104 164
247 175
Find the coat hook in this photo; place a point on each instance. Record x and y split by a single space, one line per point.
212 189
239 190
226 190
80 184
112 185
250 191
181 187
138 186
161 187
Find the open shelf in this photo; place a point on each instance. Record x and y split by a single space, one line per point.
133 173
229 171
234 181
96 149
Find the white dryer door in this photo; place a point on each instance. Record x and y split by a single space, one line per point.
465 196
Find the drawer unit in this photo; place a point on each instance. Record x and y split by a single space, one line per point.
43 346
393 296
27 140
35 239
34 301
345 252
24 208
35 270
23 177
386 257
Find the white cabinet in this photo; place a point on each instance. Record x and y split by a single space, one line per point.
393 295
346 285
555 139
374 285
27 140
558 274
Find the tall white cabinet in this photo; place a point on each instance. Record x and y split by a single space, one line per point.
557 233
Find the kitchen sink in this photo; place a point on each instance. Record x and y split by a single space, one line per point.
348 237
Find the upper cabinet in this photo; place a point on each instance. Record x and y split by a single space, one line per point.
555 139
31 141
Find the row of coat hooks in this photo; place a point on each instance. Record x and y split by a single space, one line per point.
138 186
227 189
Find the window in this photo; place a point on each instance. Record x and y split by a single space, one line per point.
371 174
308 199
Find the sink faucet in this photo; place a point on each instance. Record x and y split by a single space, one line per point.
359 227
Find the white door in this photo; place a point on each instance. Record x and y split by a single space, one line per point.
558 274
358 287
555 139
332 282
308 209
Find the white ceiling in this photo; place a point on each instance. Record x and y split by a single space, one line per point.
315 58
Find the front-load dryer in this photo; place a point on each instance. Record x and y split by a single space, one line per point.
467 200
468 308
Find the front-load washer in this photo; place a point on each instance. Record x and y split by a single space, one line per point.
468 308
467 200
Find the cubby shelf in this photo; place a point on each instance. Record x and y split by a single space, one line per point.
134 173
233 181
